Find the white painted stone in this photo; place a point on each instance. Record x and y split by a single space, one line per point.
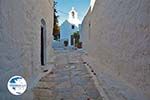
20 38
116 33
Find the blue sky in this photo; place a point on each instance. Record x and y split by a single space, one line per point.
64 6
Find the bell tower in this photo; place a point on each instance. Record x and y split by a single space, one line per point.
73 17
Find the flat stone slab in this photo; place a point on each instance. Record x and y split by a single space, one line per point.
67 81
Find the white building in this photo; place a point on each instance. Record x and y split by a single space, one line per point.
69 26
25 36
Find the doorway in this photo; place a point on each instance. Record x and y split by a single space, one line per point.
43 42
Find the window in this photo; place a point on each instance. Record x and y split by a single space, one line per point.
73 27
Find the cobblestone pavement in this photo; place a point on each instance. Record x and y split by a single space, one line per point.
68 80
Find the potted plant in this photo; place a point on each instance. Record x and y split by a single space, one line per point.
65 43
76 43
80 45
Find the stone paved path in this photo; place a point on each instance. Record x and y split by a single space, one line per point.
68 80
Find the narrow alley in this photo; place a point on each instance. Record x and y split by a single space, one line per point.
74 49
68 80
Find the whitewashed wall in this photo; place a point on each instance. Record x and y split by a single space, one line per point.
20 37
118 38
66 31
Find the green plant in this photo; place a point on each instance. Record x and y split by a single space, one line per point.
56 28
80 45
76 35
